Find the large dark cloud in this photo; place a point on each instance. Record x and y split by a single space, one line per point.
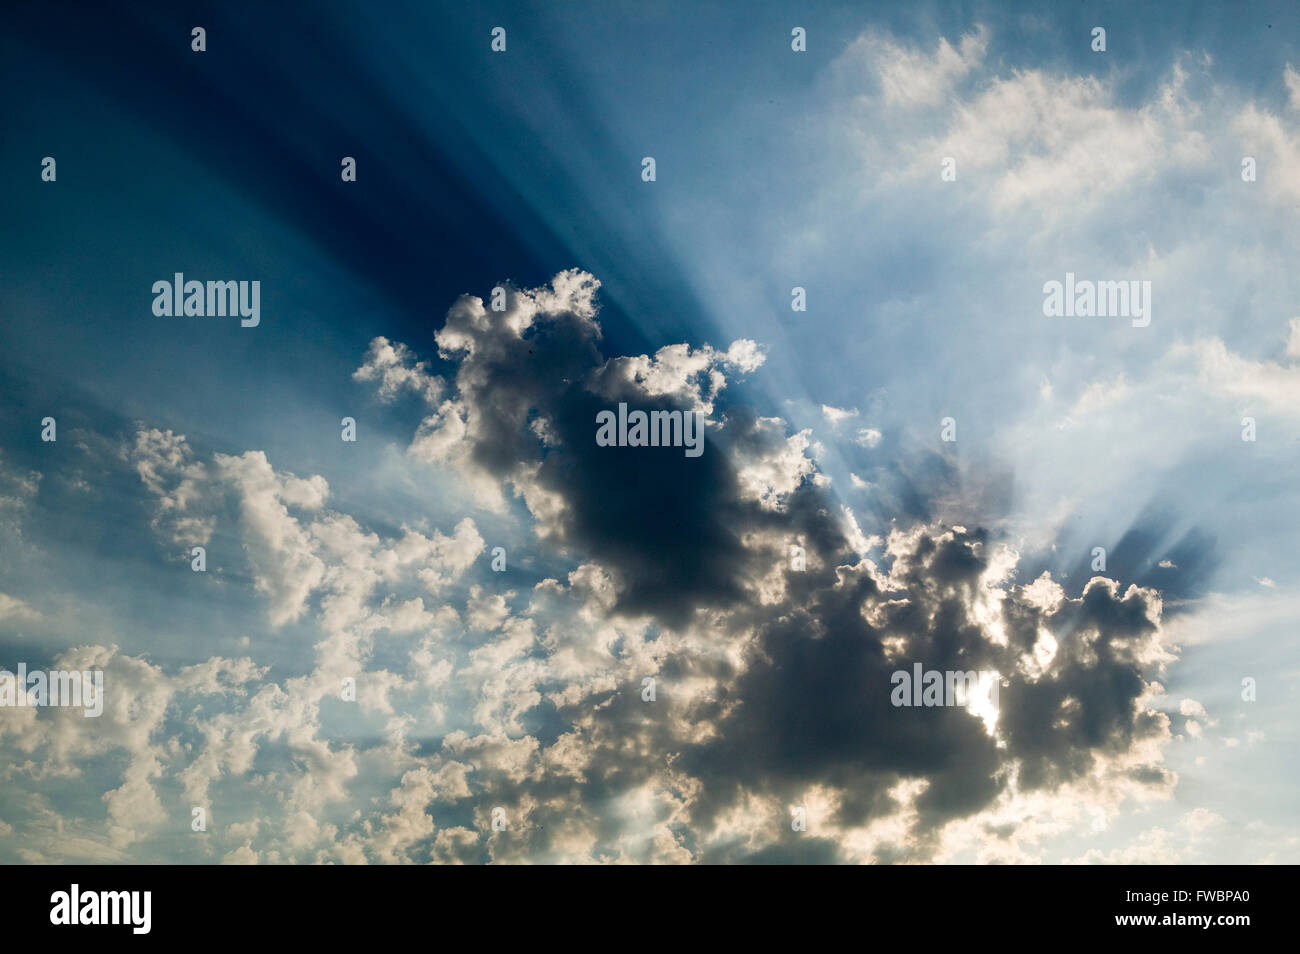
665 524
799 661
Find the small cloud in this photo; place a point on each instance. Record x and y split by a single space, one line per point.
1293 340
394 366
15 609
1199 819
868 437
1292 86
837 414
744 355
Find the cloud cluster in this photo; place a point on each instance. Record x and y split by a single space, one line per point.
707 643
770 676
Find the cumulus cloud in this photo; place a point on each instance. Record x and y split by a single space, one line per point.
771 679
167 468
798 674
397 371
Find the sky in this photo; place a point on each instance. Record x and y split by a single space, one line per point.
474 634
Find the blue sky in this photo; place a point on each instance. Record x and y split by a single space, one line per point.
774 169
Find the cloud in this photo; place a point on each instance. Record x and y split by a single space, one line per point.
837 414
284 560
397 371
868 437
775 701
12 608
167 468
908 76
772 680
528 384
18 491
